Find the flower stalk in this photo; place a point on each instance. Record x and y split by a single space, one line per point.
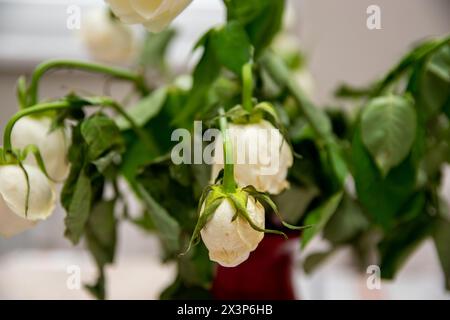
247 87
118 73
229 184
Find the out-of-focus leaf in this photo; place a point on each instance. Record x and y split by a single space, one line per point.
382 197
349 92
346 223
433 92
262 19
335 160
205 73
388 127
101 233
319 217
245 11
314 260
155 48
98 289
144 110
145 222
399 243
231 46
195 268
168 228
166 183
441 236
178 290
293 202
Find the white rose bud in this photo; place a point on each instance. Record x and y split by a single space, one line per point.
155 15
230 242
53 145
108 40
262 157
10 223
13 190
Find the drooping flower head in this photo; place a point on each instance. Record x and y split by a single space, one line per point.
52 144
33 198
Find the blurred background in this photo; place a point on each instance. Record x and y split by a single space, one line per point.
339 48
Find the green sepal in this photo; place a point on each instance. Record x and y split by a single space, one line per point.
212 197
31 148
27 197
240 203
265 198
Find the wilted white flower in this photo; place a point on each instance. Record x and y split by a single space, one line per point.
261 156
10 223
230 242
13 190
53 145
155 15
107 39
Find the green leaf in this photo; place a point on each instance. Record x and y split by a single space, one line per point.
336 161
433 92
319 217
78 208
178 290
195 268
145 222
205 73
382 197
101 134
346 223
314 260
77 159
388 126
98 289
232 46
399 243
441 237
263 29
155 48
144 110
294 201
262 19
168 228
101 233
417 55
245 11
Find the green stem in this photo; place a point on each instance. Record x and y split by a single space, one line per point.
229 184
39 108
418 54
118 73
247 87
